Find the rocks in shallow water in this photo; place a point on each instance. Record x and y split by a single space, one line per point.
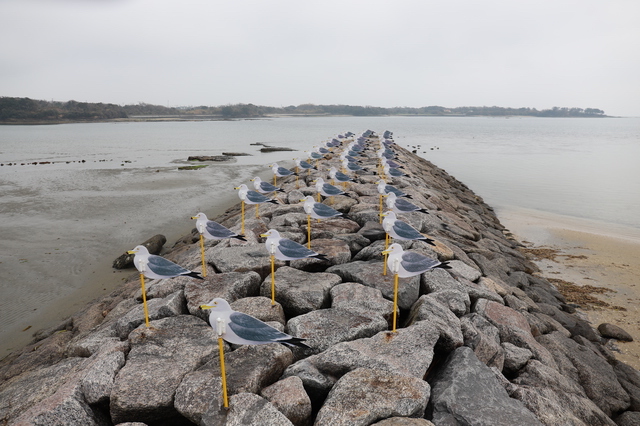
614 332
365 395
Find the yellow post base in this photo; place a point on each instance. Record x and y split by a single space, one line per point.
273 280
395 301
204 264
257 211
242 209
144 301
309 232
223 373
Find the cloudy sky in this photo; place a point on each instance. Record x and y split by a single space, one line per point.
523 53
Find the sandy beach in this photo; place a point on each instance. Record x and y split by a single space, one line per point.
588 253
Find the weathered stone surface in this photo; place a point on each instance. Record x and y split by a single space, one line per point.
326 327
230 286
403 421
464 270
428 308
373 231
240 258
447 289
100 372
358 297
172 305
409 351
555 398
160 357
364 395
248 409
591 370
629 378
300 292
481 336
253 367
612 331
628 418
514 357
199 396
575 325
260 307
370 274
465 391
290 398
513 328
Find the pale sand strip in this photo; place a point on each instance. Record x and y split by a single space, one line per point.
608 256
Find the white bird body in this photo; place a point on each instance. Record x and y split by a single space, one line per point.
280 171
157 267
318 210
242 329
409 263
400 205
213 230
286 249
264 187
400 230
326 189
252 197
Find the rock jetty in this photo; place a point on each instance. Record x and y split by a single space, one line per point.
487 342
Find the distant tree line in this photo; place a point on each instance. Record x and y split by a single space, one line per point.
27 110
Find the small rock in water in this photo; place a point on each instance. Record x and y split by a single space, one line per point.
614 332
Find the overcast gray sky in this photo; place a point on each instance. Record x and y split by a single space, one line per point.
510 53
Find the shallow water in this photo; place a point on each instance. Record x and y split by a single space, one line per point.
63 224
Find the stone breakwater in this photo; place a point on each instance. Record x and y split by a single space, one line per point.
487 342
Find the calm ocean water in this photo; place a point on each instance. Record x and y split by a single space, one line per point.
112 185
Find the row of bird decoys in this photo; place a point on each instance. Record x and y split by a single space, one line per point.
354 149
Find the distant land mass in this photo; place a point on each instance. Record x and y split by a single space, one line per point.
30 111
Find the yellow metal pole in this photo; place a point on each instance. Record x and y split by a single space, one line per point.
386 246
257 211
395 300
144 301
309 231
273 280
242 208
380 208
204 265
223 373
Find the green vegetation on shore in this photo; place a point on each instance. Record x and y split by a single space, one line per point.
29 111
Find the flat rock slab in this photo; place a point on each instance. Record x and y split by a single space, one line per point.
160 357
300 292
370 274
364 395
465 391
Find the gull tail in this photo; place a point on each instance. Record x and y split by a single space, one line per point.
194 275
408 196
321 257
429 241
240 237
273 202
444 265
295 341
424 211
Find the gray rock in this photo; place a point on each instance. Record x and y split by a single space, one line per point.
409 351
247 409
428 308
364 395
290 398
153 244
374 251
370 274
372 231
300 292
464 270
100 372
241 258
230 286
260 307
337 252
514 357
589 369
629 378
628 418
612 331
484 338
172 305
465 391
199 396
160 357
253 367
447 289
403 421
360 298
575 325
326 327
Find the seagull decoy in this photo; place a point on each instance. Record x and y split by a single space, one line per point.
384 188
157 267
213 230
326 189
318 210
400 205
286 249
242 329
339 176
252 197
264 187
409 263
400 230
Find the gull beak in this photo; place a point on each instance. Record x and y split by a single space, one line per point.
236 188
387 251
264 235
302 200
193 217
206 307
131 252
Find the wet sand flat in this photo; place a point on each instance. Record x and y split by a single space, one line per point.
589 253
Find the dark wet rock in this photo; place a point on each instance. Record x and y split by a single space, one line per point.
209 157
153 244
365 395
300 292
612 331
370 274
465 391
326 327
290 398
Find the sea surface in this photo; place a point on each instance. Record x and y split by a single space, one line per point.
109 186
